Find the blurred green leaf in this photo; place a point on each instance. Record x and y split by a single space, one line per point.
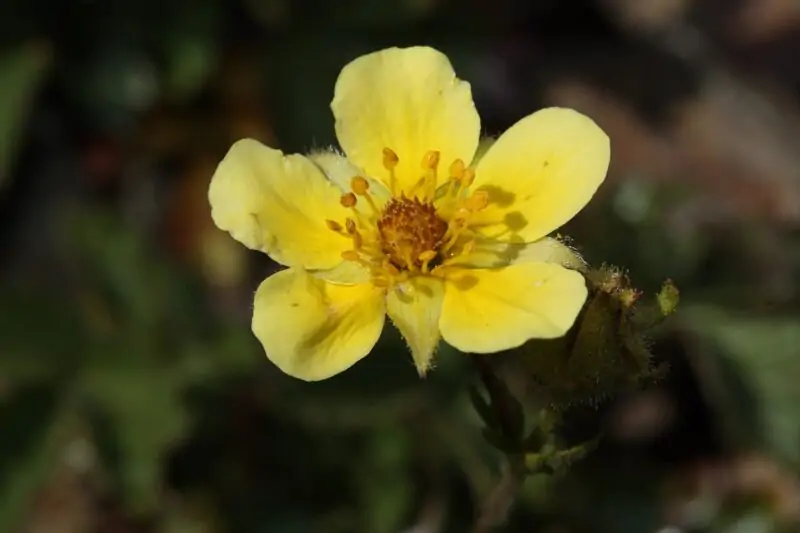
190 61
190 48
386 485
140 289
137 414
763 351
21 71
27 354
33 426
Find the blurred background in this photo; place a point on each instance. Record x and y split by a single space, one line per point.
133 397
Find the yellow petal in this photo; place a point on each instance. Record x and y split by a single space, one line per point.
408 100
540 173
494 254
278 204
311 329
491 310
415 306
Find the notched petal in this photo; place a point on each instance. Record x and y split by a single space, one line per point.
313 330
277 204
410 101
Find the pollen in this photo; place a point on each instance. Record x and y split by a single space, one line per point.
410 230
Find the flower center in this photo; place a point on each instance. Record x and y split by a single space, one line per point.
411 233
407 236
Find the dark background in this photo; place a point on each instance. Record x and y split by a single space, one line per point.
133 397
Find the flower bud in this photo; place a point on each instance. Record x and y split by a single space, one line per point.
604 353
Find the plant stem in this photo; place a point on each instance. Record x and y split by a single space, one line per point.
494 510
499 502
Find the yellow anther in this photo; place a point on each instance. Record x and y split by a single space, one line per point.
390 159
431 160
467 177
478 201
334 226
457 168
351 255
352 230
348 200
381 283
359 185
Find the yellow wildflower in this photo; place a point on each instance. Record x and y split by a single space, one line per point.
408 225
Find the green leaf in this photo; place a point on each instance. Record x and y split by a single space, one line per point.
761 354
33 429
29 356
140 290
386 484
137 415
191 51
21 71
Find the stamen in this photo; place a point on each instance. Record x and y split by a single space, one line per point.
431 160
353 255
479 200
348 200
467 177
454 231
457 168
360 186
390 161
454 174
334 226
430 163
449 255
352 230
417 186
425 258
427 255
409 260
358 241
460 179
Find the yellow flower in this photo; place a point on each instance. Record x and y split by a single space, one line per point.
408 224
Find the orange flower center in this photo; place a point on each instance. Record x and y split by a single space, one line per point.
411 233
416 235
